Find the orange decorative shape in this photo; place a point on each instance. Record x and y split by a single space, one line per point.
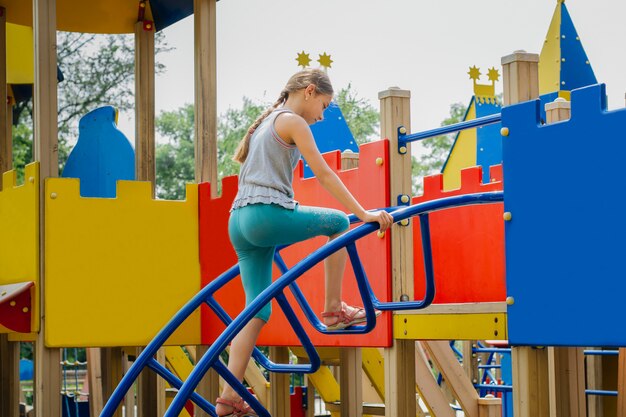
467 242
369 184
15 306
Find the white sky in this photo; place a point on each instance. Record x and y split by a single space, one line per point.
423 46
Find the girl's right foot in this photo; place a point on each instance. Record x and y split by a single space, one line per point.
228 408
346 317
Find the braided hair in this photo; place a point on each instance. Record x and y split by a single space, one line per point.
298 81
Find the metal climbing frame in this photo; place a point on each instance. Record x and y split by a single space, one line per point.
211 359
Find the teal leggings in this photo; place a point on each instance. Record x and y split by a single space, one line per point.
255 230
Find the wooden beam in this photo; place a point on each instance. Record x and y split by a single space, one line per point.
399 378
521 77
144 103
209 386
280 403
94 373
9 377
6 142
621 383
206 92
429 390
47 378
593 372
111 373
349 160
453 374
350 382
530 381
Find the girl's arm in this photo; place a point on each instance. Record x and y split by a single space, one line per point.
294 127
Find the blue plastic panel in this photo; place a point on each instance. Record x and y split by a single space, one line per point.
488 139
101 156
331 134
576 71
565 262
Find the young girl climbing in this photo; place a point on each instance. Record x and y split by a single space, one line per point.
265 214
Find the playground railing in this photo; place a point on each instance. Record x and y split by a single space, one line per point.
211 359
404 138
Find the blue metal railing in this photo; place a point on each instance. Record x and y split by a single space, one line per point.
404 138
211 358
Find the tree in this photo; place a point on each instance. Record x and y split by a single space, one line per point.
437 149
175 158
97 70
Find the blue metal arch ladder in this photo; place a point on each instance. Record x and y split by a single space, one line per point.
276 291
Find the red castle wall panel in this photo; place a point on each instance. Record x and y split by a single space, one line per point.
467 243
369 184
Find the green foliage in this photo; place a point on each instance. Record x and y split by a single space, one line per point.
436 149
98 70
360 115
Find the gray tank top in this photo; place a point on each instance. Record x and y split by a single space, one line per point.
267 173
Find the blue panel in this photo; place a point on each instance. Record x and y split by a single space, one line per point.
565 263
488 139
575 72
168 12
101 156
331 134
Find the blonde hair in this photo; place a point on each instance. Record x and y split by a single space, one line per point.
298 81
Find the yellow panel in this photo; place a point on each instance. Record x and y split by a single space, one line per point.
550 57
20 54
90 16
374 367
462 155
19 239
490 326
325 384
178 362
118 269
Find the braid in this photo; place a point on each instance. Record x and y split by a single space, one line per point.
241 153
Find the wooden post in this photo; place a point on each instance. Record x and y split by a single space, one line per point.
6 153
593 372
621 383
280 405
111 373
205 92
566 365
94 373
47 378
470 361
349 160
530 365
429 390
9 377
144 102
350 382
205 73
399 378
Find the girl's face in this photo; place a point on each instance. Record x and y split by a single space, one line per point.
314 105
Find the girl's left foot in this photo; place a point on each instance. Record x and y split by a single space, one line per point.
235 408
346 317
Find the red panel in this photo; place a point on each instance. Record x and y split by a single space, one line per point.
467 243
15 306
369 184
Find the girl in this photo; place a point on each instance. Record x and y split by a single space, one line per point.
265 215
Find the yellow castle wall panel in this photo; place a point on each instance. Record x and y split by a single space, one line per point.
118 269
19 233
463 154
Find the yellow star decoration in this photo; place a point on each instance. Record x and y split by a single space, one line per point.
474 73
303 59
493 74
325 60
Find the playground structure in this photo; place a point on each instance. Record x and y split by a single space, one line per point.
58 235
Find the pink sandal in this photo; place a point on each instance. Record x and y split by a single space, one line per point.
240 408
346 319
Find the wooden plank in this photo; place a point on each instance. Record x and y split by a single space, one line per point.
209 386
144 104
94 375
489 406
350 382
428 388
454 375
567 382
399 378
9 377
111 373
6 142
470 360
130 400
280 403
205 92
530 365
460 308
47 378
349 160
593 365
621 383
530 381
